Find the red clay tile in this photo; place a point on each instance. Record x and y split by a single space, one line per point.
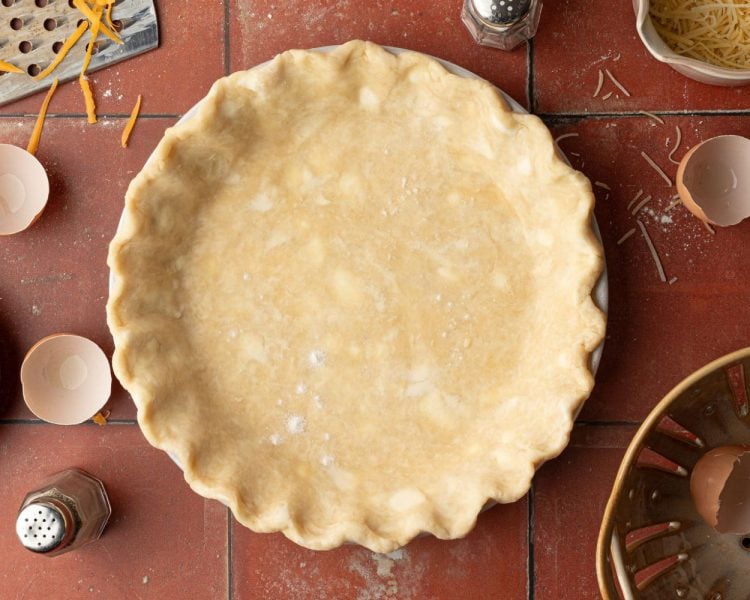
489 563
576 38
658 334
570 493
54 277
172 78
261 29
163 541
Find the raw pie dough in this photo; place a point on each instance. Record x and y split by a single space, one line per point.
352 297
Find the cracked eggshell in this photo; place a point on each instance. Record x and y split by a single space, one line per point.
720 491
24 189
713 180
66 379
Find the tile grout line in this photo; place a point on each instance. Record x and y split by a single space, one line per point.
83 115
664 113
227 61
87 423
530 564
230 572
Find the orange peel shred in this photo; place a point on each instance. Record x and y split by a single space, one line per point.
91 16
9 68
131 122
36 134
69 43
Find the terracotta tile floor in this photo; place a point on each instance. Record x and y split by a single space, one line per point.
166 542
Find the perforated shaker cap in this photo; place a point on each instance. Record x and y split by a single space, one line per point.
502 12
40 527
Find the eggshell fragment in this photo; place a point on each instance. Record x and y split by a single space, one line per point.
713 180
66 379
24 189
720 488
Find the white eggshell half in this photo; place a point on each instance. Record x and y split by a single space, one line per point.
66 379
714 178
24 189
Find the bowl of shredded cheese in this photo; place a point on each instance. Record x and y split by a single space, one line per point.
706 40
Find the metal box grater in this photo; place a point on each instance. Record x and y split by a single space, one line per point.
32 31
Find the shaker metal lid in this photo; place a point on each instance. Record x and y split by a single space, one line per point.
40 527
502 12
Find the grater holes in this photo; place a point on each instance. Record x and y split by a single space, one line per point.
95 49
34 70
9 3
16 23
79 22
41 3
56 47
50 24
25 47
117 24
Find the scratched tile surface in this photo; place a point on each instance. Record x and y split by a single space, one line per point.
166 542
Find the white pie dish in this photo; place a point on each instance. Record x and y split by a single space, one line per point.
138 358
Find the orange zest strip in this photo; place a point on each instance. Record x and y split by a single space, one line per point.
131 122
91 16
9 68
110 24
36 135
88 95
69 43
96 25
88 98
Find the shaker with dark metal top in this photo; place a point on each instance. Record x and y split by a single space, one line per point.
501 23
67 511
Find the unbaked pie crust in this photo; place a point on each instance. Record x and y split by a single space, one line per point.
352 297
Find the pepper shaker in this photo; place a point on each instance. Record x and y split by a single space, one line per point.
68 510
501 23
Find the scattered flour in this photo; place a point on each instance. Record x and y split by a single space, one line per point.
295 424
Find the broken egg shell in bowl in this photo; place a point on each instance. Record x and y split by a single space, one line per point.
24 189
653 542
713 180
65 379
720 488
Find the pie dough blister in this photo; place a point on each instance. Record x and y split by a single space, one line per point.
353 297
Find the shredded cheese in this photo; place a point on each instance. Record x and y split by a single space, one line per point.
672 281
654 255
607 96
599 84
713 31
640 205
69 43
618 85
36 134
676 145
710 229
656 168
626 236
651 116
100 419
634 200
564 136
9 68
91 16
131 123
672 205
602 185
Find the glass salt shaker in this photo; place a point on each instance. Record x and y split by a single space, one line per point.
501 24
68 510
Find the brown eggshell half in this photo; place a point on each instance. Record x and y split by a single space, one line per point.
24 189
66 379
713 180
719 486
